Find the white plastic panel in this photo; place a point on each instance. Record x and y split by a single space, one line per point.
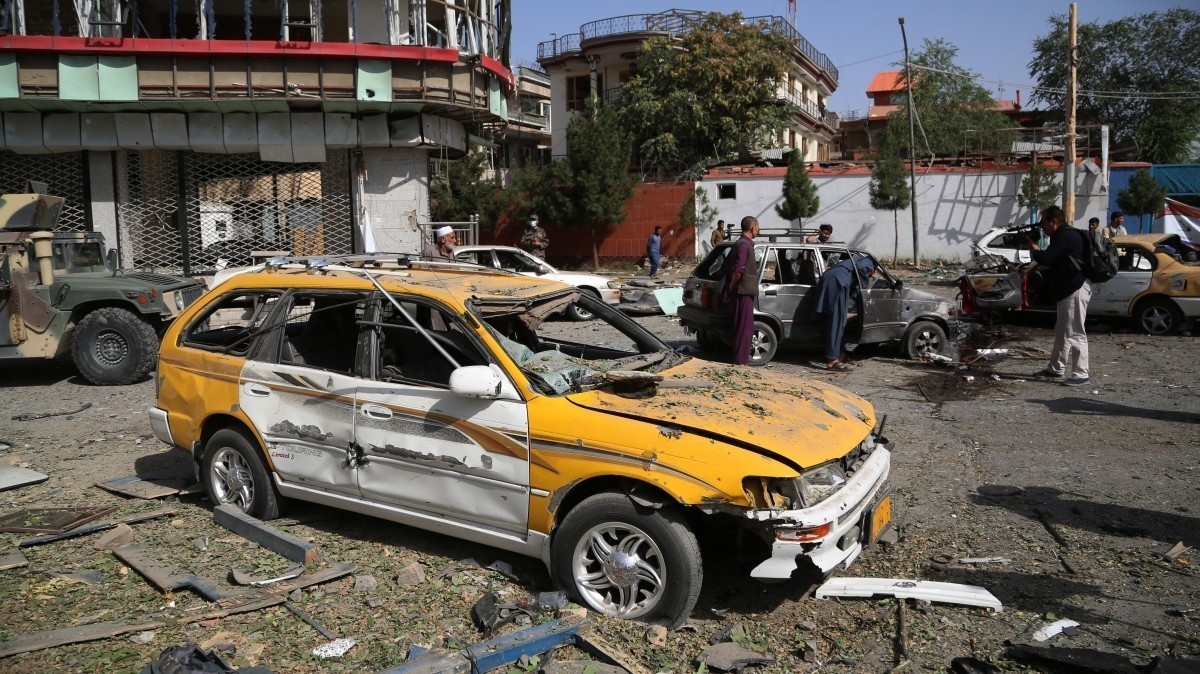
308 137
275 136
98 131
241 132
23 132
407 132
341 131
133 130
60 132
373 131
205 132
170 130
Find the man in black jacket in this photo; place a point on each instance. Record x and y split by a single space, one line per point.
1063 273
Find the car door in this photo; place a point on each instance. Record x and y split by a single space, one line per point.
788 277
1135 268
423 447
298 388
885 311
518 261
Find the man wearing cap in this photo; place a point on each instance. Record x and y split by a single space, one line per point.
534 239
443 247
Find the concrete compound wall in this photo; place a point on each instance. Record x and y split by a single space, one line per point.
953 208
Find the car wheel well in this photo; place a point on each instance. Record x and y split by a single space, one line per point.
642 493
220 422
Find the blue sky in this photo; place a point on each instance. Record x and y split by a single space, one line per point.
862 37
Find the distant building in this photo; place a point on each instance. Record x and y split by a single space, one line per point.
193 133
525 136
858 134
604 51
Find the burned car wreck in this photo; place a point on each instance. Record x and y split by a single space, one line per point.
441 396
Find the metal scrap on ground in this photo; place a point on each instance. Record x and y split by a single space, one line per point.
51 520
947 593
12 477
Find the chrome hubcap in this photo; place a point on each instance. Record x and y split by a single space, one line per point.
231 479
758 344
927 342
1156 320
619 570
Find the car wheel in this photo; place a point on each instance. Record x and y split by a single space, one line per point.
578 313
113 346
628 561
924 338
763 344
234 474
1158 316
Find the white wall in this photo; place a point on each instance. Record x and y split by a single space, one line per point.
392 187
953 208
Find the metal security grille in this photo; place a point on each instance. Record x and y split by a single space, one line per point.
63 175
237 208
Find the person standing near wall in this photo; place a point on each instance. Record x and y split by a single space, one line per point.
741 287
654 250
718 235
534 239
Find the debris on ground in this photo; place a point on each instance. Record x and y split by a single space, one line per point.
97 527
51 520
146 488
334 649
13 477
729 656
32 416
1054 629
946 593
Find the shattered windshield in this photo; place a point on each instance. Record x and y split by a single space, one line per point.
562 356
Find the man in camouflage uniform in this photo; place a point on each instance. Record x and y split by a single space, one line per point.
534 239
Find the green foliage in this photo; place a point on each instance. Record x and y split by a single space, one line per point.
800 199
889 191
1143 196
1142 53
1038 188
589 188
462 190
949 104
697 99
697 211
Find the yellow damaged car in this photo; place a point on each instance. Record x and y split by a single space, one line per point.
439 395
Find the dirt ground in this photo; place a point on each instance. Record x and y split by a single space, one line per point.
1106 477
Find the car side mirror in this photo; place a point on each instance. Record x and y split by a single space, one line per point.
543 270
111 258
899 285
476 381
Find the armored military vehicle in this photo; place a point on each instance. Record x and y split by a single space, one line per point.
61 293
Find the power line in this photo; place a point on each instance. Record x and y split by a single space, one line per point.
1145 95
872 58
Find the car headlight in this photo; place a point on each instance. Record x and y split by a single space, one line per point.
178 301
819 483
615 285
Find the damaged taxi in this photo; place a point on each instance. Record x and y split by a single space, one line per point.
444 397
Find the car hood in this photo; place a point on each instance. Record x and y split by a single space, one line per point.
799 422
97 281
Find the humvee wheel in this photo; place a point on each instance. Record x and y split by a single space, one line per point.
113 346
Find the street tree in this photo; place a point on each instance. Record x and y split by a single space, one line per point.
1143 196
696 99
1039 189
800 198
465 188
1137 74
949 103
586 190
889 191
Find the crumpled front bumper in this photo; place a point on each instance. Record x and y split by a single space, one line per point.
844 510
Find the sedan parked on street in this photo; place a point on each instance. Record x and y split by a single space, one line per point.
920 322
513 259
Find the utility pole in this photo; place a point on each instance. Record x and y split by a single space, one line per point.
912 151
1068 204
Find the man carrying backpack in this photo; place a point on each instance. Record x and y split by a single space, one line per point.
1063 263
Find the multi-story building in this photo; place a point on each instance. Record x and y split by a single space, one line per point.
602 53
525 137
193 132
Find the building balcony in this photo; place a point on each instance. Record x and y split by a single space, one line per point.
814 113
676 22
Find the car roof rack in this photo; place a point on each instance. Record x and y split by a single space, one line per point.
774 233
379 262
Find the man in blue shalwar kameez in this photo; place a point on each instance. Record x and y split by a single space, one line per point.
834 290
